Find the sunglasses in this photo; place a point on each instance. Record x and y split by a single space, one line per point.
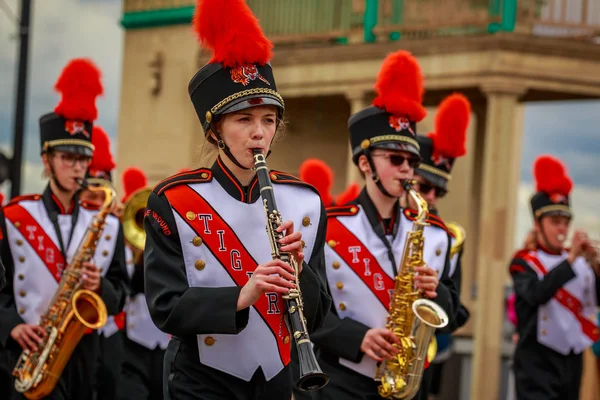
397 159
425 188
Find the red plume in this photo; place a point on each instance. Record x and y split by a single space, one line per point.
229 29
1 199
348 195
133 179
451 123
79 85
102 159
399 86
551 176
317 173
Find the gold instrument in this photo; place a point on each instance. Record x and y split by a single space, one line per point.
459 237
72 311
412 318
133 221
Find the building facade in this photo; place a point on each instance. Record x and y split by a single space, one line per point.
499 53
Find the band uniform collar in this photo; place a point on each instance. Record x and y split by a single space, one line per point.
375 219
232 186
547 250
53 204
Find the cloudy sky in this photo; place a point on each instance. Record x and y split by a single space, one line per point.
64 29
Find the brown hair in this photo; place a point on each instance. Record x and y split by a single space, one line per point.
530 241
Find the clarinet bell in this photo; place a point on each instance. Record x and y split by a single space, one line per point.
311 376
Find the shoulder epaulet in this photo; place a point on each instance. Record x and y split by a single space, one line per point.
431 219
519 254
284 177
24 197
341 211
196 176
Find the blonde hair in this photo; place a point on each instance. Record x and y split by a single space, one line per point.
530 241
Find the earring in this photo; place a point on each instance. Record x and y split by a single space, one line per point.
221 144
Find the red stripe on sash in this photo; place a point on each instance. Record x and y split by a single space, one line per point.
183 199
37 238
569 301
356 255
120 320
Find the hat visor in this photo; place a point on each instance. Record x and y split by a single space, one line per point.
432 178
74 149
559 213
252 101
399 146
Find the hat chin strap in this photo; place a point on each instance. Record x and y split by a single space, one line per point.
224 147
545 239
374 175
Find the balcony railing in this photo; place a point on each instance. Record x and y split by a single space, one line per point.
561 18
290 21
282 20
152 5
427 18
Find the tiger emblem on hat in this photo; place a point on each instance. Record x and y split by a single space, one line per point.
400 124
75 127
558 198
441 161
245 74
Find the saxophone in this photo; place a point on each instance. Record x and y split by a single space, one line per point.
412 318
72 311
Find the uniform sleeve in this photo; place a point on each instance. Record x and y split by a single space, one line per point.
339 337
8 309
115 283
462 315
535 291
314 290
174 306
448 296
2 274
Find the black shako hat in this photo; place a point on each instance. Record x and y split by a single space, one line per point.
69 127
238 76
391 121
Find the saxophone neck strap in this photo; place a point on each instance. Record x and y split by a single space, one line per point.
53 214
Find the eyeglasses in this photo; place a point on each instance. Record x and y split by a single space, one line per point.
70 160
425 188
397 159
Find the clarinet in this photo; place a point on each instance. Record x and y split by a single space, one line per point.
311 376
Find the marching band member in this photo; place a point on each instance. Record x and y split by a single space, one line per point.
317 173
365 239
439 150
320 175
42 232
144 343
110 358
210 278
556 293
